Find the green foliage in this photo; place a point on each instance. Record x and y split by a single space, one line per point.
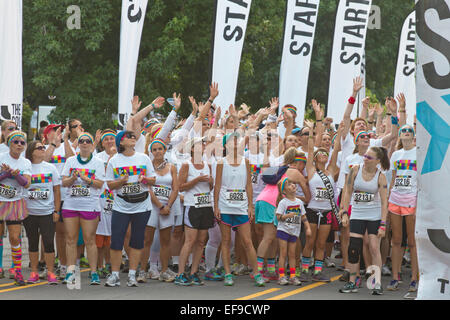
80 67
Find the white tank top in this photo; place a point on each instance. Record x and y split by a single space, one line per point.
319 194
163 187
366 203
256 162
233 194
199 195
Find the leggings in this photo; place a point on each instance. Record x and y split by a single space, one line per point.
36 226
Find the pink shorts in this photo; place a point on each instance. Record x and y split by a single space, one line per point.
401 211
86 215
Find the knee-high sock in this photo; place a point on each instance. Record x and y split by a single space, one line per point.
16 253
1 251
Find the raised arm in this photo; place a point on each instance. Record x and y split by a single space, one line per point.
213 93
319 124
402 109
357 85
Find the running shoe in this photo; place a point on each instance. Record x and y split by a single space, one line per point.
196 279
283 281
358 282
234 268
298 272
142 277
410 295
271 275
412 286
166 276
132 281
34 278
183 280
56 262
295 281
393 285
95 279
345 276
171 273
62 273
2 273
378 290
112 281
320 277
329 263
70 278
241 270
12 273
84 263
43 274
153 273
262 275
213 275
259 280
349 287
107 268
51 279
229 281
18 278
221 270
305 276
385 271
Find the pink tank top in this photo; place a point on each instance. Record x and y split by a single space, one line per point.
270 193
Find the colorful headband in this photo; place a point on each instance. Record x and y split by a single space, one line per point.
300 159
157 141
150 122
155 133
283 183
359 133
107 134
408 126
332 139
86 134
15 134
291 108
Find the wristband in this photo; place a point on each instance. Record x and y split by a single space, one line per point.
52 144
211 101
351 100
174 109
318 120
382 228
394 120
345 212
92 182
370 122
389 114
402 111
21 180
132 114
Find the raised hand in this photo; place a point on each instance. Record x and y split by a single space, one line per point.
158 102
214 90
366 102
379 109
392 105
274 104
135 104
177 101
357 85
218 113
402 101
371 111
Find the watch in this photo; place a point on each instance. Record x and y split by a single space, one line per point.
52 144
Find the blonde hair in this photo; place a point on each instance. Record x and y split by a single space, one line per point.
289 155
4 125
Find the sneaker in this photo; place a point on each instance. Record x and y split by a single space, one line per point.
241 270
166 276
262 275
196 279
329 263
34 278
358 282
283 281
2 273
410 295
183 280
295 281
271 275
70 278
221 270
234 268
412 286
345 276
142 277
56 264
378 290
259 280
385 271
153 273
18 278
112 281
107 268
12 273
51 279
349 287
213 275
320 277
84 263
95 279
62 273
393 285
43 274
305 276
228 280
132 281
171 273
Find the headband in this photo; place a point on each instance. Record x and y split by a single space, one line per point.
155 133
359 133
292 109
86 134
150 122
332 139
157 141
408 126
298 158
15 134
107 134
283 183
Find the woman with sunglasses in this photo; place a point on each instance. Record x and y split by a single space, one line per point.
320 210
83 175
15 177
366 187
43 202
128 174
73 129
402 204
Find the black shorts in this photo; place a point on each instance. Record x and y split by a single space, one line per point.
360 226
11 223
43 226
199 218
313 217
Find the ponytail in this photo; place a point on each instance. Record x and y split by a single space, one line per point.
280 194
382 155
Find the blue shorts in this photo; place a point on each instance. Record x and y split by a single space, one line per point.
119 226
286 236
265 213
234 220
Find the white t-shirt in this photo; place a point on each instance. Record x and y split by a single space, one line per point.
58 159
10 189
134 166
292 225
80 196
404 190
40 198
106 204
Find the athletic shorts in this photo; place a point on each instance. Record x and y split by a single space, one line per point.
234 220
265 213
86 215
13 211
360 226
11 223
178 220
40 225
102 241
119 227
160 221
199 218
286 236
401 211
313 217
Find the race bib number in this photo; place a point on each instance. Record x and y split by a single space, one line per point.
364 197
108 207
7 191
403 182
236 196
131 188
321 194
80 191
202 200
254 177
162 192
38 194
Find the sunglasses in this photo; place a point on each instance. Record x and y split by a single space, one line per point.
76 126
366 156
40 148
129 135
19 141
322 153
405 130
364 136
84 141
11 128
305 134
